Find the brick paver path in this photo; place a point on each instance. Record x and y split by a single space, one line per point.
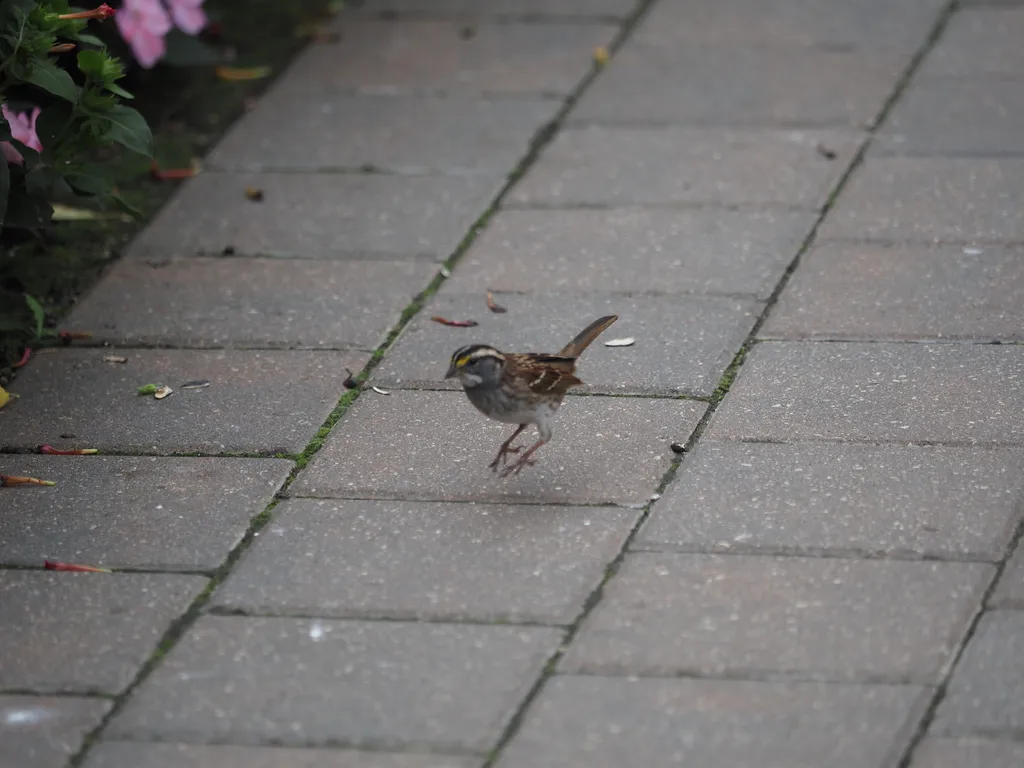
808 213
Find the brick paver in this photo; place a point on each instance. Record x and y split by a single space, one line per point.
436 446
318 216
84 632
615 9
498 59
707 333
1009 593
931 199
118 754
852 500
826 578
210 302
741 85
811 619
860 25
44 731
968 753
892 392
415 134
920 292
955 116
650 165
346 558
986 692
136 512
980 41
249 405
610 722
240 680
633 250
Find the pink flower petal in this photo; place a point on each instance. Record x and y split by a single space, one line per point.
188 16
143 24
13 156
23 129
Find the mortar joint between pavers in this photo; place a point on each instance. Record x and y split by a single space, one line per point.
498 17
380 618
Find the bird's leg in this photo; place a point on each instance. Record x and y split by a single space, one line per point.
506 448
523 460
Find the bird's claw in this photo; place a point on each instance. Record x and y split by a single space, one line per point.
502 457
518 467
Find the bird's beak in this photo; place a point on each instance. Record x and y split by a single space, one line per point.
452 371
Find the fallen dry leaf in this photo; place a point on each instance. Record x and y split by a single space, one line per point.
317 33
54 565
67 337
380 391
600 56
49 450
114 359
162 392
455 323
235 74
493 306
172 174
627 342
9 481
196 384
71 213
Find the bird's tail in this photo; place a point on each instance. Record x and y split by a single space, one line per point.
583 339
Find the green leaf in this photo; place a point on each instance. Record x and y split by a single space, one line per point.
92 64
129 129
51 123
89 184
118 90
50 77
89 40
37 312
5 187
127 207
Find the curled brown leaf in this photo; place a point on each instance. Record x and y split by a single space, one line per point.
455 323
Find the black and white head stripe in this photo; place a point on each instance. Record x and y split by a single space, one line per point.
474 352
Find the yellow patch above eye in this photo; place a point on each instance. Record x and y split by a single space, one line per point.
463 360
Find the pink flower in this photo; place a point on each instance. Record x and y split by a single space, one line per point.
23 128
143 24
188 16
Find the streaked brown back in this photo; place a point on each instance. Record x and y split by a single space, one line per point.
545 374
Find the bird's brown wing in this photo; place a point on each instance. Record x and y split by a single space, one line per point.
544 374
